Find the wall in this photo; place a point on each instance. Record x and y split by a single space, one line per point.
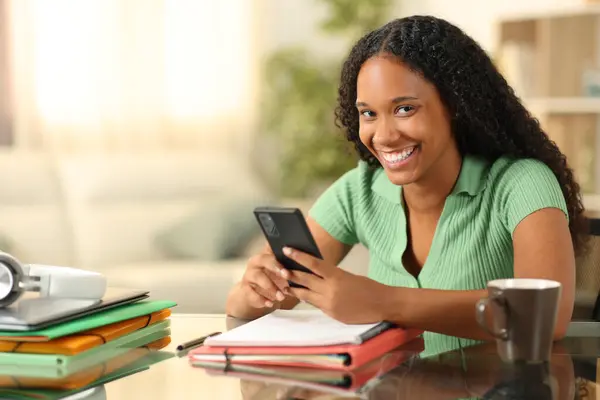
291 23
296 21
478 17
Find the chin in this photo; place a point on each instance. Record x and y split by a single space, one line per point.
401 178
401 173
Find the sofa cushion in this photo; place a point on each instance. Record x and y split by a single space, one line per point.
6 245
220 228
35 228
196 287
119 203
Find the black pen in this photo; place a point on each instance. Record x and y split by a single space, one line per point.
195 342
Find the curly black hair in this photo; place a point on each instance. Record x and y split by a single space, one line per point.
487 118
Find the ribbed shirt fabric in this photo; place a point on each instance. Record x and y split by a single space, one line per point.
473 239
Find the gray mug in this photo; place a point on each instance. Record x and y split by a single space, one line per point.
523 315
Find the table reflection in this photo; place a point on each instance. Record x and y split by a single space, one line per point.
478 373
464 374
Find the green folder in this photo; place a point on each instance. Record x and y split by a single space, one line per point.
92 321
47 365
140 365
60 360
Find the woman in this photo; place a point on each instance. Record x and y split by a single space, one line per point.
457 185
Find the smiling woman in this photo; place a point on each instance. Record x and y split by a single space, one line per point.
457 186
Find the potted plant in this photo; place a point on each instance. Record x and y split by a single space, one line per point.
299 99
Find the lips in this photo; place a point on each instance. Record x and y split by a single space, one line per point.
395 157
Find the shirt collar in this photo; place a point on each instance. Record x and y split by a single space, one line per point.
472 180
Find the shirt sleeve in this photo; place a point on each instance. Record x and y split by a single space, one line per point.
334 210
525 187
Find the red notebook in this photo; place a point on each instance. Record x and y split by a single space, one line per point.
336 382
338 357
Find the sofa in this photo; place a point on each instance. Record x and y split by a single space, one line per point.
178 224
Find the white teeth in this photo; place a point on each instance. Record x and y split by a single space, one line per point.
398 156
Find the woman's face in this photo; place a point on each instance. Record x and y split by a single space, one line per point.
402 120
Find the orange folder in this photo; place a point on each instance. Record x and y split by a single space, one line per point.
340 357
87 376
82 341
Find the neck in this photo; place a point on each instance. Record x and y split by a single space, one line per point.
431 191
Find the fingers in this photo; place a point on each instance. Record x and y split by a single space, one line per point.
269 262
273 269
307 296
307 280
314 264
255 299
267 280
265 285
282 284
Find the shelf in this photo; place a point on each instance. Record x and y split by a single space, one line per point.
550 58
563 105
591 202
552 12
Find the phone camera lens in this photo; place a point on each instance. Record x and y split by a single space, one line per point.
268 224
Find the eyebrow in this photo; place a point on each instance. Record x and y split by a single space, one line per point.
395 100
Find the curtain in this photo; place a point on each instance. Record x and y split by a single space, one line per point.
6 133
131 74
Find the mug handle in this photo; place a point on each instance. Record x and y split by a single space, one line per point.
480 309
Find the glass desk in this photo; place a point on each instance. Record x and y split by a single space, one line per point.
474 372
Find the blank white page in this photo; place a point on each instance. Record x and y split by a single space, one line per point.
291 328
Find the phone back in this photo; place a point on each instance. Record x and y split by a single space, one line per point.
286 227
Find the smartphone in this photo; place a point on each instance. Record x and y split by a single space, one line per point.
283 227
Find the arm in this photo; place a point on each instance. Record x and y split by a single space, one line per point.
332 250
334 240
548 256
529 203
531 206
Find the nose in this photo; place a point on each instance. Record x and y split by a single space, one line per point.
386 132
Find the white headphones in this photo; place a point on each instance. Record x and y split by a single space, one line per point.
48 280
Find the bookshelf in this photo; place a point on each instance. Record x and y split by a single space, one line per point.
552 60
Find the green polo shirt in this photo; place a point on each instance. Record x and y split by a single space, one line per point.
473 240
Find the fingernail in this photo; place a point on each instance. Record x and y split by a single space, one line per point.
287 251
282 394
280 296
268 304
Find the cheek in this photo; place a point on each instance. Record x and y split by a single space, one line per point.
415 128
439 126
366 133
424 128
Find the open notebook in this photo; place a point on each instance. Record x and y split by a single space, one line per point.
302 338
297 328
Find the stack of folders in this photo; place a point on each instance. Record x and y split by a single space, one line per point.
308 346
70 356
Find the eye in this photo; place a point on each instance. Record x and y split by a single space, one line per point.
367 114
404 110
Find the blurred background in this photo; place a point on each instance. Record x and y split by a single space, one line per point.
136 136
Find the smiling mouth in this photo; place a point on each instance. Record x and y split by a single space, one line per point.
397 157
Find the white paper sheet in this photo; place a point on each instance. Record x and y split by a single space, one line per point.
291 328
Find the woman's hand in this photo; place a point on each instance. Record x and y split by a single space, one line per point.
264 282
340 294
